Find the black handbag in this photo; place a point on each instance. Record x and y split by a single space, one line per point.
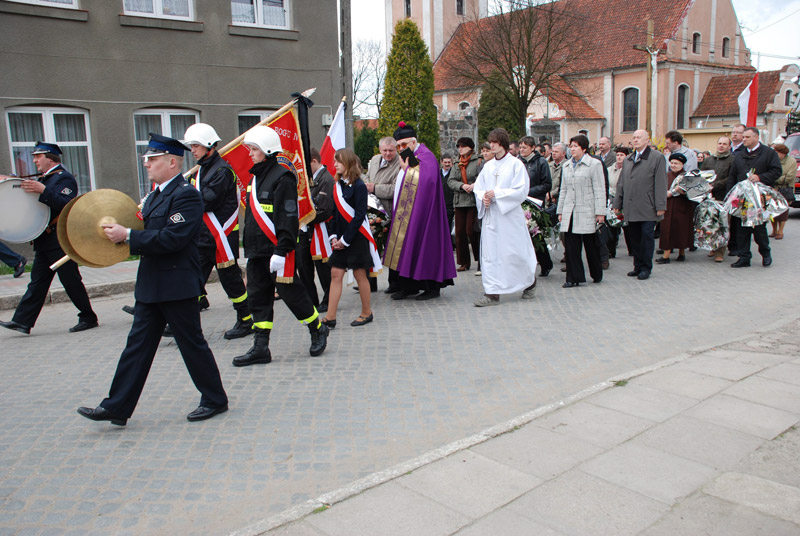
787 193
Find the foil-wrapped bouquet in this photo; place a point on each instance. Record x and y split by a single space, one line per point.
378 222
692 184
612 220
754 203
538 221
710 225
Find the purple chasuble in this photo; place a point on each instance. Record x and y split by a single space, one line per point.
427 250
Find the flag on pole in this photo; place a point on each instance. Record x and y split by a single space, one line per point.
748 103
334 141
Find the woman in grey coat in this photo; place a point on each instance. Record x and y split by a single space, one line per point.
581 207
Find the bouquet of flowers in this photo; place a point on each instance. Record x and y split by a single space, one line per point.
539 225
710 225
709 175
612 220
693 185
754 203
378 222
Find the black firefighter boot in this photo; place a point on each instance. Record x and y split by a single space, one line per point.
319 337
259 353
243 326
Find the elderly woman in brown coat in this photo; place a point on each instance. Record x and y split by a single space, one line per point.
677 228
581 206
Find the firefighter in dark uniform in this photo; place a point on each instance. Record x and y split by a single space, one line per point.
167 286
56 187
322 195
270 236
217 184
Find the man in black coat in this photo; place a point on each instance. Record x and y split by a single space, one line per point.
218 241
270 238
167 286
55 187
756 163
322 196
539 186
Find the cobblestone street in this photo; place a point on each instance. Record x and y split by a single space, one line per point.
423 374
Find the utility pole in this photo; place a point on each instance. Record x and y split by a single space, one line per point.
347 69
652 77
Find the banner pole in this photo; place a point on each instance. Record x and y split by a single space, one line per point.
285 108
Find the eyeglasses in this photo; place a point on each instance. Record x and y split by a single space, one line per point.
402 145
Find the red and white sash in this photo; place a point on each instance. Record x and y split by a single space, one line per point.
266 225
218 231
321 243
348 213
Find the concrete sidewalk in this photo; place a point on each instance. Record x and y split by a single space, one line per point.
705 443
107 281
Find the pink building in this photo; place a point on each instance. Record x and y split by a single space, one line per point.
697 40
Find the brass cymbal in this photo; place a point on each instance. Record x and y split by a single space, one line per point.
61 230
84 231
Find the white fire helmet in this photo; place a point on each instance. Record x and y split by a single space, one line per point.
265 139
200 134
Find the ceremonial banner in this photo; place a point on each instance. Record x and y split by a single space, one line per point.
293 158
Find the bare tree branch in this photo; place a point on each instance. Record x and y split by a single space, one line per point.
369 73
522 50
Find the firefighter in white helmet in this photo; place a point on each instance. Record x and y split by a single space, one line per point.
270 237
218 240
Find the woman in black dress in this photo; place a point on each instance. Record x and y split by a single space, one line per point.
351 249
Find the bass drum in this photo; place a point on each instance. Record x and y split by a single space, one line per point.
22 216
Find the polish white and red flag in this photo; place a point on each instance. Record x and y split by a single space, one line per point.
334 140
748 103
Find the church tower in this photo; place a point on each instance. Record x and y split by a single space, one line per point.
437 19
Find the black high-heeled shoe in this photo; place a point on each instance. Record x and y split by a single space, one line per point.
330 323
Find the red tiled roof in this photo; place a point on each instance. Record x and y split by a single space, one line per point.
608 28
720 98
568 98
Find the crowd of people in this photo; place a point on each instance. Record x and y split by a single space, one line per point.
454 211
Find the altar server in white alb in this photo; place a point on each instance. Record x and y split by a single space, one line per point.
508 260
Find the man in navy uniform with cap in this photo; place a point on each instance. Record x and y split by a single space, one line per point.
56 187
167 286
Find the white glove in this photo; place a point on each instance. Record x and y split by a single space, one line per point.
276 263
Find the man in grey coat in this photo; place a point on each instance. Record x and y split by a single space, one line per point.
642 200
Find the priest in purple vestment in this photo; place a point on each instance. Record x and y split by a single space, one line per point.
419 246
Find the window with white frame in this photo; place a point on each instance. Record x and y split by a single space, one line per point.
460 8
683 107
263 13
787 100
172 123
251 118
66 127
163 9
630 109
726 47
73 4
696 43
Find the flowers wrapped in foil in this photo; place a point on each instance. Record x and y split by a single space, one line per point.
379 221
612 220
710 225
692 184
539 225
754 203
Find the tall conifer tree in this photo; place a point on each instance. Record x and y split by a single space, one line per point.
408 93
